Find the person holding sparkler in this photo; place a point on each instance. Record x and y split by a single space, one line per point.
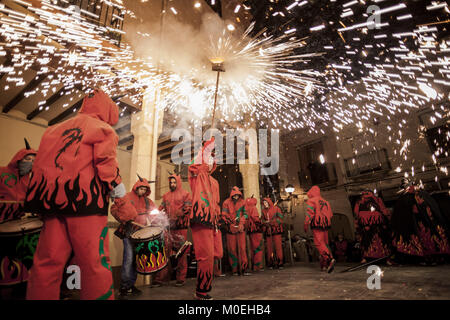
139 198
177 205
233 209
273 229
203 217
318 216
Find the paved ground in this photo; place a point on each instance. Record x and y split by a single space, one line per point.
305 281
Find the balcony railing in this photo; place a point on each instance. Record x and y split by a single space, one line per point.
368 162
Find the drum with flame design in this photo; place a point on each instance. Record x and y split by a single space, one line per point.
19 240
149 250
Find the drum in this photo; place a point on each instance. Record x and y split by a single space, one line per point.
149 250
19 240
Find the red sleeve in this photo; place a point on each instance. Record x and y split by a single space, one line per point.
105 160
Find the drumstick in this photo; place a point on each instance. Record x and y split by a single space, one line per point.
138 224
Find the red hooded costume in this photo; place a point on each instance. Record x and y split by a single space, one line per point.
204 214
273 229
72 176
318 216
234 215
177 205
13 187
254 230
372 223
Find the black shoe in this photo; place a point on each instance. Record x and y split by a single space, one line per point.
124 292
331 266
246 273
202 296
179 284
135 291
156 284
281 267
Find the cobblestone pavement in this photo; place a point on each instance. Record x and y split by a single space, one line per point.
305 281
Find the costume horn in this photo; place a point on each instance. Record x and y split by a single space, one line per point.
27 145
140 178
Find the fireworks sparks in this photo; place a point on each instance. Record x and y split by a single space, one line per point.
382 66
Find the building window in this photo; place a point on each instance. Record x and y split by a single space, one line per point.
314 170
368 162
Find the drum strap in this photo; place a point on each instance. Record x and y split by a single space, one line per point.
147 204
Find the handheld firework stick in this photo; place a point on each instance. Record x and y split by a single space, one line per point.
364 265
217 65
138 224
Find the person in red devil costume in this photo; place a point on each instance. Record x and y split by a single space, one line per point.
14 180
254 231
372 222
273 229
420 230
139 198
74 176
177 204
203 217
318 216
233 210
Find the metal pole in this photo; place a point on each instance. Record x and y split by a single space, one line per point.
289 230
215 99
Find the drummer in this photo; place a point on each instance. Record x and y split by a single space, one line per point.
177 205
14 180
139 198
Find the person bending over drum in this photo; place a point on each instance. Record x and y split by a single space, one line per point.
144 205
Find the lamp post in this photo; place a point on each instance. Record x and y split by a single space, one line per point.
290 190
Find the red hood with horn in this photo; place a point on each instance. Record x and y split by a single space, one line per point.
76 166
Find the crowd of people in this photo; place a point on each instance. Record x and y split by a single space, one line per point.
74 176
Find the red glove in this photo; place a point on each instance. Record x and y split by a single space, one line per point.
123 211
241 228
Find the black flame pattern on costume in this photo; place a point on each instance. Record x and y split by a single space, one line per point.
40 201
10 211
75 137
204 281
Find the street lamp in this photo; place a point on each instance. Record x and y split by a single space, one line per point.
289 189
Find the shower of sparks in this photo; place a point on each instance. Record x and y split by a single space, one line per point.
259 80
267 79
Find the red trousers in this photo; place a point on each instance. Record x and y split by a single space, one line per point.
176 237
88 237
321 243
218 251
271 257
237 253
257 247
203 238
